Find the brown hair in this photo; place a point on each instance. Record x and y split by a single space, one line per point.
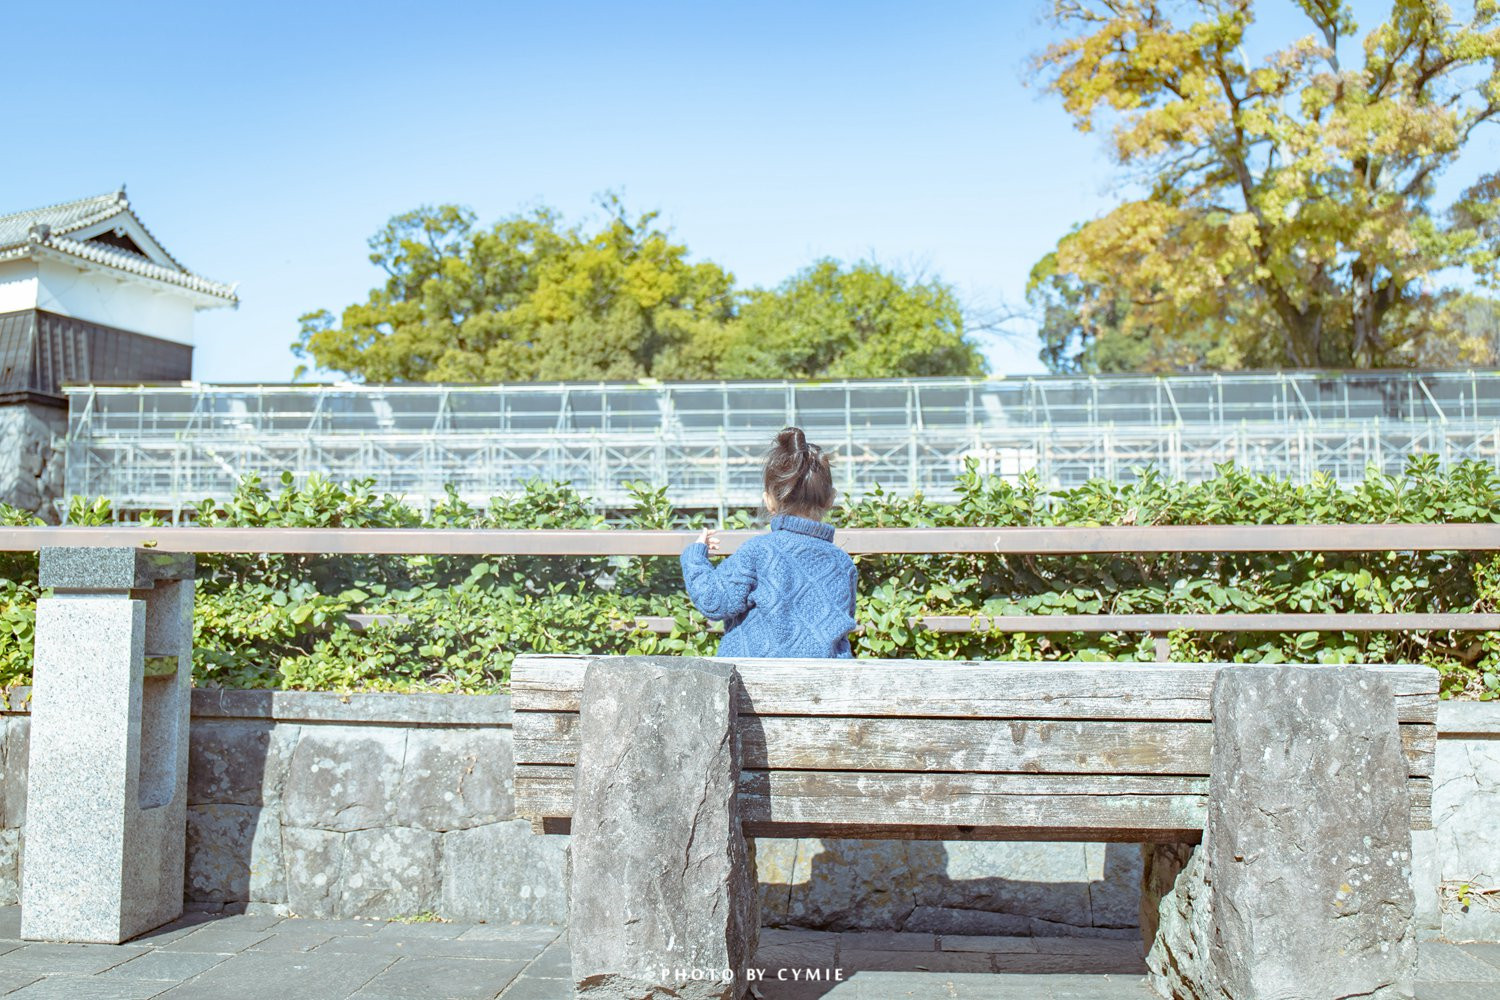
798 477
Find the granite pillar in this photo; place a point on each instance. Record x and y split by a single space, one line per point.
107 783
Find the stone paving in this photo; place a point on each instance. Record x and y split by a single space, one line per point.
214 957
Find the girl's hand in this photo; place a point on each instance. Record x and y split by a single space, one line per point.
709 537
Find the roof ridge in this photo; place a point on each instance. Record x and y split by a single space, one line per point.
110 256
117 196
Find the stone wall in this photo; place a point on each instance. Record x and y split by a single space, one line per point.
1464 845
394 805
31 461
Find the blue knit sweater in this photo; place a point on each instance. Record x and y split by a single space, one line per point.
787 593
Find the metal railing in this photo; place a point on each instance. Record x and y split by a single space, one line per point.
1012 541
165 447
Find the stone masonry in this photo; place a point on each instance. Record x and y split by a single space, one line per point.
256 830
31 459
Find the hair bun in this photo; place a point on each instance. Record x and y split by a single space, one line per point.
793 439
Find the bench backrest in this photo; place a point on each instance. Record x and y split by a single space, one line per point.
952 750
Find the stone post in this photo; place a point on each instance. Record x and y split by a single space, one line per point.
662 894
1301 886
106 817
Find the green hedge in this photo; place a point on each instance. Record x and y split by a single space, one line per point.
282 621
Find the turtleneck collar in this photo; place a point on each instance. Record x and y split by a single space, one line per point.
802 526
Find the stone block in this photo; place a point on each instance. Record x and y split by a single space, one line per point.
1465 804
234 855
1049 881
454 779
239 762
775 867
390 872
314 862
948 920
344 778
1161 864
13 782
380 873
97 569
1114 887
1307 852
503 873
661 877
1426 874
10 866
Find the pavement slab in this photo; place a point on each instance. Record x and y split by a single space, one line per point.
539 989
521 951
553 963
217 940
15 980
302 939
168 932
293 977
993 943
441 979
67 959
1486 951
236 957
543 934
89 988
412 931
1438 961
166 966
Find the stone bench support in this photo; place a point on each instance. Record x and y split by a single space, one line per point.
662 897
107 781
1301 885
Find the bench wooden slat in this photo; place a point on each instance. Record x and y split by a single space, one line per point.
832 801
992 690
981 746
829 803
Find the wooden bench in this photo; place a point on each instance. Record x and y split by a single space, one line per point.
1301 795
898 749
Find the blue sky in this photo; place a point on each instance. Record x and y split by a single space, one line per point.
263 143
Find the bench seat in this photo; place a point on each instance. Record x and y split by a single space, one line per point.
903 749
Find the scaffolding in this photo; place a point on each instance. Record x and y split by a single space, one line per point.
164 447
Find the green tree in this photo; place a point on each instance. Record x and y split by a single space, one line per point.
1470 332
1089 328
1288 215
861 321
530 298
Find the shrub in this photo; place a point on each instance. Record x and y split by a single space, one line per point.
456 623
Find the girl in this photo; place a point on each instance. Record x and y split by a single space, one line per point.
790 592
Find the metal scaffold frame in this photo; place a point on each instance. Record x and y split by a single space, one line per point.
164 447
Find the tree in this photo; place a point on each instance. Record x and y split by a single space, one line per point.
863 321
1288 214
1469 332
1089 328
528 299
534 299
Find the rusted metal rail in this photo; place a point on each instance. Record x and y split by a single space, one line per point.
1143 539
1048 541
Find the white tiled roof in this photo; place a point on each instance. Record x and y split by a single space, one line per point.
62 219
22 234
